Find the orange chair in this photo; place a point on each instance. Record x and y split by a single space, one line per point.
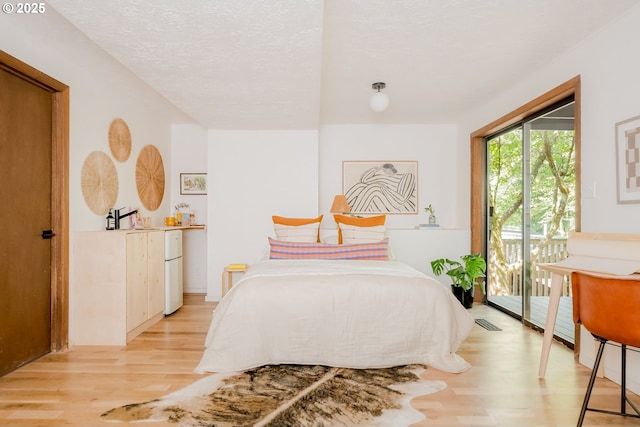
609 308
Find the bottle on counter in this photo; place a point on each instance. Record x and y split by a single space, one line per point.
111 221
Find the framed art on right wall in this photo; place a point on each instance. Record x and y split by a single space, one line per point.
628 160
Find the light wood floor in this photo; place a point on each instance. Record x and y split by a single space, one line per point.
502 388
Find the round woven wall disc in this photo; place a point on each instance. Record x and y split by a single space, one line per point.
99 180
119 140
150 177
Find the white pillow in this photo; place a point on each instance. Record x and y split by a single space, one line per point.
329 236
352 234
307 233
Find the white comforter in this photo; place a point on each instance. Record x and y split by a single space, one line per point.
354 314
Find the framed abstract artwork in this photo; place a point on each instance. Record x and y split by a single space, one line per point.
193 183
628 160
381 187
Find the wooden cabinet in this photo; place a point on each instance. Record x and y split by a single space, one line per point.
118 287
155 273
145 277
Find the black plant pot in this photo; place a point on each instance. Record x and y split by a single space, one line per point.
465 297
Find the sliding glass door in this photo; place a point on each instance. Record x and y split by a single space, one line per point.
531 199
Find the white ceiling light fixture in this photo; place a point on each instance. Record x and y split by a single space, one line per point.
379 101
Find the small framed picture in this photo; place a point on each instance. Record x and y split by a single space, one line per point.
628 160
193 183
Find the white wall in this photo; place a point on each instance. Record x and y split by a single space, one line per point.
252 176
610 93
610 88
100 90
189 150
439 173
433 146
256 174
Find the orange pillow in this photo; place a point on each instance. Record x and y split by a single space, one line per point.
297 221
370 221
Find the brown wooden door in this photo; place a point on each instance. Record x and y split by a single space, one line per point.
25 200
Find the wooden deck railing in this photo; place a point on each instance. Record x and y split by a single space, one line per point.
553 251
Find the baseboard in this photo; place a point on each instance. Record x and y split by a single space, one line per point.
212 298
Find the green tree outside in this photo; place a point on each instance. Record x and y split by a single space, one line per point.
552 194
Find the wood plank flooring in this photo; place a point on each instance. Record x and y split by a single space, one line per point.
502 388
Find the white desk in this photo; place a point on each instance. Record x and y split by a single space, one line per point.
586 244
557 277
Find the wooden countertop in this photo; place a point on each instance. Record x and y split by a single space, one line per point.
175 227
140 230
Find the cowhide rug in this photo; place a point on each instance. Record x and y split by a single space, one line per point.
290 395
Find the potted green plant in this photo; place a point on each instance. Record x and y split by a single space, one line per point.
432 214
463 275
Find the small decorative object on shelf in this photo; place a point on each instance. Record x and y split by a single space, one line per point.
182 214
136 220
432 214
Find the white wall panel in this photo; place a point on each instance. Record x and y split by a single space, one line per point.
252 176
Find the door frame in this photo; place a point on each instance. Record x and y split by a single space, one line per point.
478 186
59 194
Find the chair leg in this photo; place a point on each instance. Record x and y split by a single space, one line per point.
623 383
592 381
623 386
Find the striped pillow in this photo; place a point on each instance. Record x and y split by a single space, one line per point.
281 224
300 250
370 221
297 233
353 234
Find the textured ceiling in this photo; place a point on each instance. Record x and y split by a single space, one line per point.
297 64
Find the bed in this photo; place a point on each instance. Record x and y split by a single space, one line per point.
354 313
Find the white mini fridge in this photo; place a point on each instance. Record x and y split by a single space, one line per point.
173 271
